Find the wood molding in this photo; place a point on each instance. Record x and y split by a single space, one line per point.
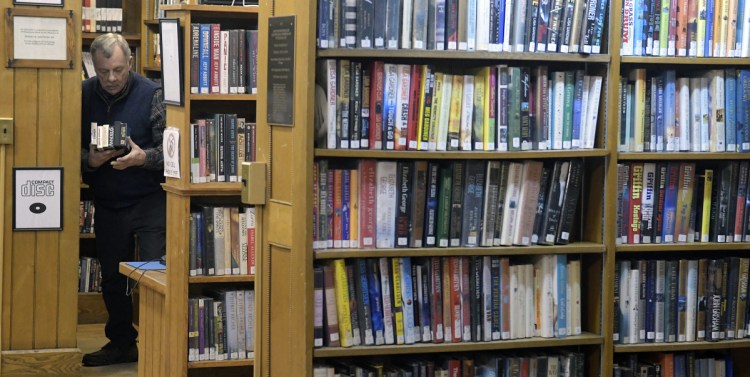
47 362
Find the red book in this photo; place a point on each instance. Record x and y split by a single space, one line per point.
215 57
456 298
505 297
634 210
436 299
414 93
368 202
376 105
682 27
330 317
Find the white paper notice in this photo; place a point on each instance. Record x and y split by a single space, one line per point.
171 152
41 38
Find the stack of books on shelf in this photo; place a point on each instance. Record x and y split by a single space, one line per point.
388 106
707 111
674 364
223 61
222 241
89 275
101 16
86 217
387 204
221 325
566 26
677 202
564 363
457 299
681 300
695 28
218 145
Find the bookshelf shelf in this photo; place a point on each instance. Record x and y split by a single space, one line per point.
205 189
683 156
221 279
213 9
134 39
223 97
653 60
152 69
579 340
576 248
85 236
463 155
221 364
660 248
461 55
152 23
684 346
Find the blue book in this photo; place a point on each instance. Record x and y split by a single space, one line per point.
740 27
407 299
471 24
670 130
730 110
323 11
577 104
501 23
389 105
651 301
708 47
204 58
743 109
601 14
561 275
679 365
345 208
363 289
439 36
670 203
425 314
376 306
638 27
378 24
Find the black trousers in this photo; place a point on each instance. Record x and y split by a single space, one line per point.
115 242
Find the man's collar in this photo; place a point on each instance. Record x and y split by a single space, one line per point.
110 98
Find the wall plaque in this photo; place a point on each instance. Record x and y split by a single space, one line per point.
281 34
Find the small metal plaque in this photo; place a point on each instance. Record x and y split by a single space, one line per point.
281 35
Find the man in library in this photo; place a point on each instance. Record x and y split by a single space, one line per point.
125 180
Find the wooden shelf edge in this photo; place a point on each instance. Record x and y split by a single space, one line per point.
681 60
223 97
205 189
575 248
221 279
85 236
221 364
462 55
663 156
694 246
213 8
684 346
578 340
130 37
464 155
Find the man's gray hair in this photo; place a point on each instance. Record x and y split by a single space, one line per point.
106 44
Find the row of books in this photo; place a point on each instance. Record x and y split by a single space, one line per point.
696 28
86 217
101 16
421 107
678 364
704 112
404 300
89 275
221 325
110 136
563 363
219 144
87 65
387 204
222 241
571 26
223 61
666 202
685 300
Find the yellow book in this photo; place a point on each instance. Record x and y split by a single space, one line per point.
479 125
684 201
454 120
425 108
354 209
708 183
489 125
436 95
639 75
341 287
398 311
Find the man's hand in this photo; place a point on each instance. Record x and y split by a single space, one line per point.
136 157
97 158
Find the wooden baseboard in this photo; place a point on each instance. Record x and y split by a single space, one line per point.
91 308
46 362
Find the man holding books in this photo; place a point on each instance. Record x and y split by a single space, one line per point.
126 182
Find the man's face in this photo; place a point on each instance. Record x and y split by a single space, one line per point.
112 73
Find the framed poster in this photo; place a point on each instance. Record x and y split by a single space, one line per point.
171 60
39 38
37 198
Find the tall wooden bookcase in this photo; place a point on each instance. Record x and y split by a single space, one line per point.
181 193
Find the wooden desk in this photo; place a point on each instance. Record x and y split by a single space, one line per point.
152 329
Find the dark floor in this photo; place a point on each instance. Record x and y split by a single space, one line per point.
91 338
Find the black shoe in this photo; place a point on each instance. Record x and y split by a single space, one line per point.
111 354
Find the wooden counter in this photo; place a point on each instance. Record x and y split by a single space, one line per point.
152 329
